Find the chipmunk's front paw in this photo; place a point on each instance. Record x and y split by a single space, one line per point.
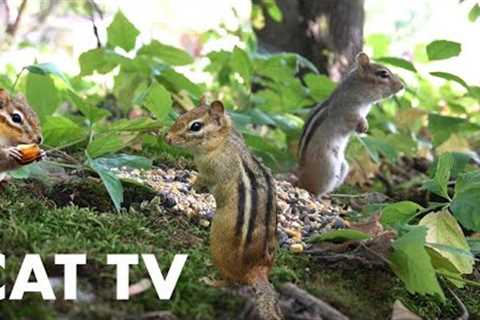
362 126
26 154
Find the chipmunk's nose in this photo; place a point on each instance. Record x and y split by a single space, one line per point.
39 140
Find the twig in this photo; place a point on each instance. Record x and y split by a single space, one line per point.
94 8
465 315
323 309
13 27
17 78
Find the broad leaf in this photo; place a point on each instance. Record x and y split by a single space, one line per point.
122 33
451 77
474 245
42 95
60 131
177 82
111 182
398 62
340 235
101 60
168 54
443 49
442 127
124 160
465 207
376 147
240 62
444 230
474 13
320 86
45 69
91 112
411 263
104 144
399 213
439 183
158 101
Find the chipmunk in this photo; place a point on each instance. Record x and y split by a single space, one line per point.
19 133
321 154
243 233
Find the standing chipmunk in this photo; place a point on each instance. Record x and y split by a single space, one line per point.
243 234
322 165
19 133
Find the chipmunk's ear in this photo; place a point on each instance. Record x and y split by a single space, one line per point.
362 59
216 107
3 97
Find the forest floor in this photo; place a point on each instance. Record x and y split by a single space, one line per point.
76 216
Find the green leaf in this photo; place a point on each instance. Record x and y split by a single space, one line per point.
465 207
177 82
60 131
451 77
240 63
320 86
443 49
377 146
398 62
103 144
42 95
380 44
444 230
411 263
124 160
399 213
112 183
442 127
101 60
92 113
122 33
158 101
474 245
168 54
468 180
273 10
340 235
439 183
474 13
46 69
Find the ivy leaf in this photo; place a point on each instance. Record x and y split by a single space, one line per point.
443 49
168 54
340 235
112 183
439 183
158 101
398 62
59 131
122 33
465 207
399 213
412 264
451 77
42 95
443 229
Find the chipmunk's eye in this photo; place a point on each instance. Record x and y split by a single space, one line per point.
383 74
17 118
196 126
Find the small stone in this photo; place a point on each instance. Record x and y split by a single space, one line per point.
296 248
204 223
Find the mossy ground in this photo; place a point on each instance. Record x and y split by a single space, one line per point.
30 223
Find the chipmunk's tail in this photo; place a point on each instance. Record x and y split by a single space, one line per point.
266 301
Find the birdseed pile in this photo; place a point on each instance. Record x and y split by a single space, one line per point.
300 214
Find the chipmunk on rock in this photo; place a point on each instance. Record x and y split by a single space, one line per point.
322 165
243 233
19 133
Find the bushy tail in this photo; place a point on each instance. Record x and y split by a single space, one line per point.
266 301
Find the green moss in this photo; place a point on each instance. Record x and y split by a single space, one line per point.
32 225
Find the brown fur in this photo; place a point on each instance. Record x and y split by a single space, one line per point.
242 250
